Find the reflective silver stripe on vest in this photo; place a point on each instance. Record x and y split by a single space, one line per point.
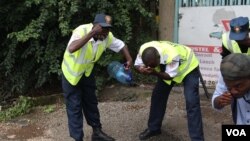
85 31
70 71
229 43
81 59
188 63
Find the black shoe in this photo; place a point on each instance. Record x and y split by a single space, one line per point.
147 134
79 140
99 135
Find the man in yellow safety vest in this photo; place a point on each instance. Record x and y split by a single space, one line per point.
171 63
85 47
237 40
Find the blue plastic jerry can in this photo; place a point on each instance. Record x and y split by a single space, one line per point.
116 70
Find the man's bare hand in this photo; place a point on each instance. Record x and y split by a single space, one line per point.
127 65
146 70
224 100
97 28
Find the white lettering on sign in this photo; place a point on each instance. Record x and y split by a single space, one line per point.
201 49
236 132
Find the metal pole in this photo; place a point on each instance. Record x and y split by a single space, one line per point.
203 85
176 21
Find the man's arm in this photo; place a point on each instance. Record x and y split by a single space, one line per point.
77 44
170 70
162 75
151 71
222 100
126 54
141 68
221 96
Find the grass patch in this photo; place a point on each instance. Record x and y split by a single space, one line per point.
22 106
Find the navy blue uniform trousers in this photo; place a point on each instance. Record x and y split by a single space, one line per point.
159 100
81 100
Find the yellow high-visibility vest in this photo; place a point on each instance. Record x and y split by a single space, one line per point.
82 61
168 51
232 45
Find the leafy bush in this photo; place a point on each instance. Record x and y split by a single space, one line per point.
34 35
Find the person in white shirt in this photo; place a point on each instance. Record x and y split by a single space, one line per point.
233 87
172 63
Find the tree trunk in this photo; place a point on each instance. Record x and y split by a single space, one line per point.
166 14
154 10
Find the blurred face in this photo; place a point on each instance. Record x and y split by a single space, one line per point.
153 62
245 41
103 34
238 87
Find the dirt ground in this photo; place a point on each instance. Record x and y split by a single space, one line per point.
124 113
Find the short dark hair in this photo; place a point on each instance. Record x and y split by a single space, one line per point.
150 54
